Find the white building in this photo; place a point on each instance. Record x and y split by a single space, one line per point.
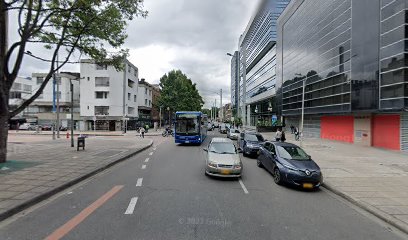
108 96
42 108
20 91
145 98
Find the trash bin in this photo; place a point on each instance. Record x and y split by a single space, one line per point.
81 143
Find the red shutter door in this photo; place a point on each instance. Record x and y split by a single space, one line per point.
386 131
339 128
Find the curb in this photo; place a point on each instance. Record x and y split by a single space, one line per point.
374 211
58 189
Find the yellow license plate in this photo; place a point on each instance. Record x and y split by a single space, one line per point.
226 172
307 185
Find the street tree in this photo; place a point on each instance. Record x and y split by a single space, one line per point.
179 93
206 111
66 28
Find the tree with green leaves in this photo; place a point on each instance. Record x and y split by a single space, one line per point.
64 28
206 111
179 93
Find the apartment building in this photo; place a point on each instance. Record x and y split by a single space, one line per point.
145 102
108 96
20 91
43 110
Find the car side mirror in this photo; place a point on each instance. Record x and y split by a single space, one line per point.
309 157
240 151
205 149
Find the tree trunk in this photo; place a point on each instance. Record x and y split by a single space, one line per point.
3 137
4 87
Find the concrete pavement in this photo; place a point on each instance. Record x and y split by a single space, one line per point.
38 167
171 198
372 178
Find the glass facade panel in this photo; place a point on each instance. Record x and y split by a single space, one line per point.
392 8
395 62
316 49
393 55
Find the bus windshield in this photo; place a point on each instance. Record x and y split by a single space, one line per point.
187 124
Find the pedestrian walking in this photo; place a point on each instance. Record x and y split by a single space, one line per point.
142 132
296 134
292 129
278 135
283 138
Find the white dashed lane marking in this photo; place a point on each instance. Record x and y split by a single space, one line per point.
147 160
243 186
144 166
139 182
151 153
131 207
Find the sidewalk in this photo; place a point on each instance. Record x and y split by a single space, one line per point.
371 178
151 132
39 168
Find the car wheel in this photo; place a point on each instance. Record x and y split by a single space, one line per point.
244 152
259 163
277 176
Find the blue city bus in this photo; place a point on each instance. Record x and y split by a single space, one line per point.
190 127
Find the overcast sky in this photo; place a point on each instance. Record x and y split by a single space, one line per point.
191 35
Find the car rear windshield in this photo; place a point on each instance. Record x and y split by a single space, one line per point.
254 137
234 131
292 153
223 148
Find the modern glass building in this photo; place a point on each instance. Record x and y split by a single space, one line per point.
352 56
257 55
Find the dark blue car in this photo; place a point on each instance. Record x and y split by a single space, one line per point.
250 142
288 163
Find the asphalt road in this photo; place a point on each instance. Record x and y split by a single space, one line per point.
162 193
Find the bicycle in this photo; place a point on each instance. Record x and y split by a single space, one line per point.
297 136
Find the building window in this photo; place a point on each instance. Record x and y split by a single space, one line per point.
131 83
101 95
15 95
145 90
150 92
40 80
101 82
129 68
131 110
101 110
135 72
27 88
16 86
150 103
135 98
101 66
88 78
129 96
146 102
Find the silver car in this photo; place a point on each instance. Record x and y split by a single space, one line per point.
222 159
233 134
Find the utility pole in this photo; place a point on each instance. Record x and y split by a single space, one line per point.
215 110
72 112
53 105
58 100
222 109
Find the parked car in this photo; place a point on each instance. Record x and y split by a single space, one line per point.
222 128
216 124
290 164
228 126
46 127
210 126
63 128
222 159
27 126
250 142
233 134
